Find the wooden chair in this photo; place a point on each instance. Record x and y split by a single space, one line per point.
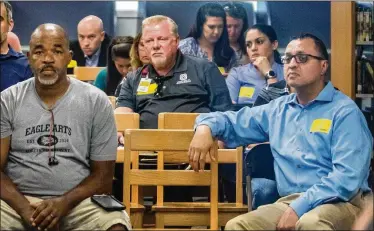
125 121
130 121
177 142
226 211
259 163
87 73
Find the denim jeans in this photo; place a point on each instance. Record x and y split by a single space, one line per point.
264 191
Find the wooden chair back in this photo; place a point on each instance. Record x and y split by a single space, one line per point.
169 120
125 121
112 100
87 73
166 140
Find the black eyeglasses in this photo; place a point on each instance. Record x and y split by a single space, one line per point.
299 58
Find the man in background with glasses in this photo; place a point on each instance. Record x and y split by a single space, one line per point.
319 139
280 88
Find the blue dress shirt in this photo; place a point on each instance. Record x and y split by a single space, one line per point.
93 61
245 82
321 150
14 68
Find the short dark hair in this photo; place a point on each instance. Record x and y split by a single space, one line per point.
320 45
8 9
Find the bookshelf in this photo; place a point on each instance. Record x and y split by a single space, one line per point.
360 43
343 43
346 45
364 59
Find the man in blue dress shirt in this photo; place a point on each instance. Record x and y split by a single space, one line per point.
319 139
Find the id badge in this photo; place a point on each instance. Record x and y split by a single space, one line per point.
144 85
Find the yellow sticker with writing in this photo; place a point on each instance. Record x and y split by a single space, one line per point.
222 70
151 89
246 92
321 125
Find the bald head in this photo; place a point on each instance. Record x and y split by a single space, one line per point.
49 54
49 30
91 21
90 34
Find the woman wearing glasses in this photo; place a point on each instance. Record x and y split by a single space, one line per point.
237 24
265 67
208 37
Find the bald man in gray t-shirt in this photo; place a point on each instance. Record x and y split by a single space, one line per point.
83 130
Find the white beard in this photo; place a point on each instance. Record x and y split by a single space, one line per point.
48 82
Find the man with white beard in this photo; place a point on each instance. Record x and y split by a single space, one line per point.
172 82
58 145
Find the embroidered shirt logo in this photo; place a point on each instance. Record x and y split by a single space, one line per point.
183 78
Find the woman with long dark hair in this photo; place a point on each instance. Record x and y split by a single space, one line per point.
118 64
265 67
237 24
208 37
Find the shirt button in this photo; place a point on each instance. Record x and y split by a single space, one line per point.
298 149
164 87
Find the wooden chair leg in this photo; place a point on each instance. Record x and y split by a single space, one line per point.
137 219
160 221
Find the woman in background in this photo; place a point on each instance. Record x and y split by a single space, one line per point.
237 24
118 64
208 37
138 53
138 58
265 67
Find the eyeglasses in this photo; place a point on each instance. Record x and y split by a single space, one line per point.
299 58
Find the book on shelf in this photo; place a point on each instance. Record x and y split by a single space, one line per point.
364 23
365 76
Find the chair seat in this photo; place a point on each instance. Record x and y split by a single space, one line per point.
198 207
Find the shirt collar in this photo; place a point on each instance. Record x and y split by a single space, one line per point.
180 66
326 95
97 53
11 53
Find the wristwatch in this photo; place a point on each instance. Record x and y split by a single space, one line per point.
270 75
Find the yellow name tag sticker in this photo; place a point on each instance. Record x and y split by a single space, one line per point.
222 70
321 125
72 64
144 85
151 89
246 92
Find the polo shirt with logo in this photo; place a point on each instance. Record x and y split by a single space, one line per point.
194 85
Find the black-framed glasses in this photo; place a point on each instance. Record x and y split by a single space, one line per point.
299 58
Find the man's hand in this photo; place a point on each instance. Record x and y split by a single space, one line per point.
26 214
48 213
120 138
288 220
262 64
201 145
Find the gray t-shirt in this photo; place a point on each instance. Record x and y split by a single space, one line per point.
84 130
